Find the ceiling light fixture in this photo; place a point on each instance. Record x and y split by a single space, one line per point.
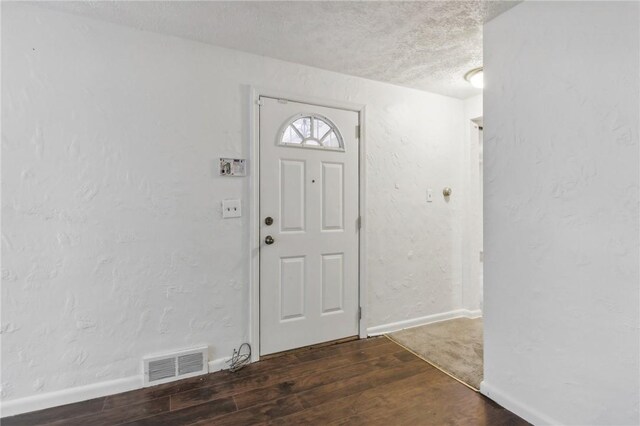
475 77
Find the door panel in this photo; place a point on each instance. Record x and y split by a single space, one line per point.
292 280
332 282
332 196
292 189
309 274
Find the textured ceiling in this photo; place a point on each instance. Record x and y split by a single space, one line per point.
424 45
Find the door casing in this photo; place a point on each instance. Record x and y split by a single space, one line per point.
254 205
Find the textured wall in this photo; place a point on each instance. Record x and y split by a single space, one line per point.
112 241
561 115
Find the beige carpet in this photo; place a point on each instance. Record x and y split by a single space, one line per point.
453 346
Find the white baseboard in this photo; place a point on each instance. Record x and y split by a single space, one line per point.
517 407
68 396
472 314
218 364
83 393
415 322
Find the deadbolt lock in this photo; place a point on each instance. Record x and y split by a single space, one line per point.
268 221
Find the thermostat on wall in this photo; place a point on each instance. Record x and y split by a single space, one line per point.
233 167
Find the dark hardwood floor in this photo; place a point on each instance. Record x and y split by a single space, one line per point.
363 382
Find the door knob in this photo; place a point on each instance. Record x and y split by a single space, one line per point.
269 240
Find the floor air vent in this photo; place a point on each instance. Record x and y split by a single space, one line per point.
175 366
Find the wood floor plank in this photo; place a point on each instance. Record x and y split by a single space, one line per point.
337 409
372 382
190 415
154 392
258 413
317 395
312 348
62 412
405 355
314 354
116 416
344 388
447 403
294 358
209 393
221 377
300 400
311 380
397 406
429 398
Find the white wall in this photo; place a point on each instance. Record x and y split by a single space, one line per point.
112 241
561 115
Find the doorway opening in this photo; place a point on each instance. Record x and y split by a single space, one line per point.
456 345
477 208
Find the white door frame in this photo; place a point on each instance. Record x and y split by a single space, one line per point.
254 205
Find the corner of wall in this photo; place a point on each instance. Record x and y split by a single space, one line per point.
515 406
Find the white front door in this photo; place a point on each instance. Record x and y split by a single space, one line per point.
308 224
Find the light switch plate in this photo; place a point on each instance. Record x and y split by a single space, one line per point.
231 208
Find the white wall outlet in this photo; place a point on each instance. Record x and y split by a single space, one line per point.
231 208
429 195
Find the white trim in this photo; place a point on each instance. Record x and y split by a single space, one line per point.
517 407
416 322
362 193
469 252
83 393
472 314
218 364
309 100
254 227
254 208
69 396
